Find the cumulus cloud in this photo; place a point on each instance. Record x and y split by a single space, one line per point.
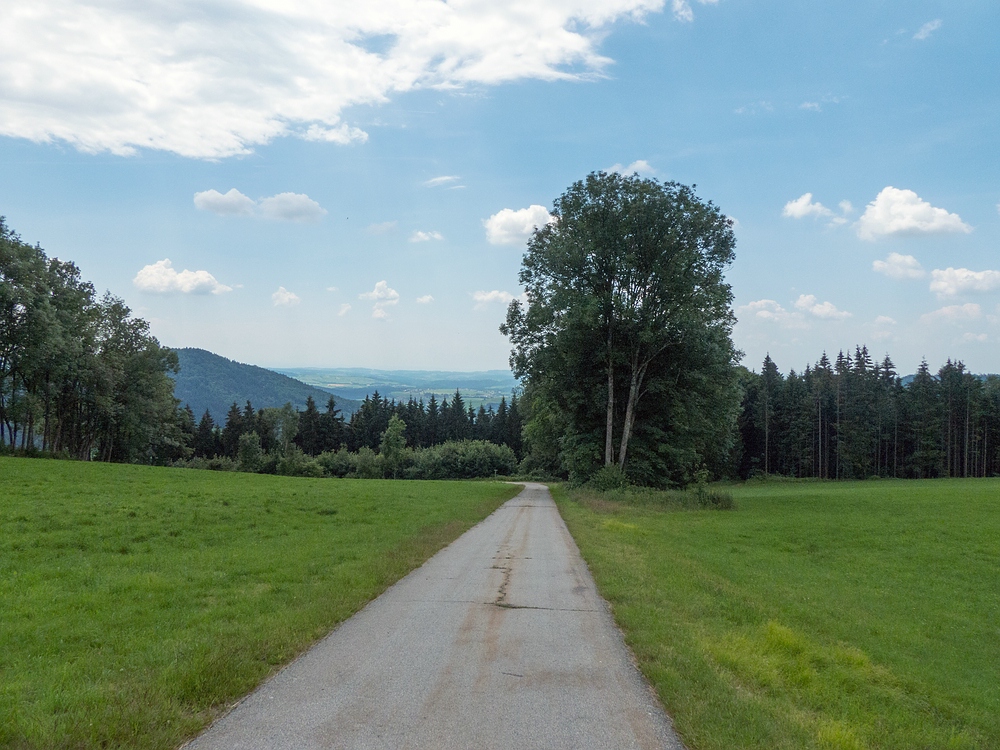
283 206
953 313
804 206
898 266
233 203
382 293
291 207
384 296
825 310
640 167
484 299
419 236
285 298
896 211
212 83
162 278
510 227
442 180
927 29
951 281
771 312
425 300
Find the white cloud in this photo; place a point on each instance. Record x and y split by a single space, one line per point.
754 108
640 167
927 29
977 338
381 228
283 206
486 298
233 203
896 211
285 298
382 293
882 328
770 311
825 310
215 81
344 309
682 9
804 206
898 266
951 281
425 300
510 227
811 106
442 180
291 207
332 289
384 296
846 207
953 313
162 278
419 236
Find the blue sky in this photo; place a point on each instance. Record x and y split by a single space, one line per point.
385 158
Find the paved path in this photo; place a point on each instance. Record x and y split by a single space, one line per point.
499 641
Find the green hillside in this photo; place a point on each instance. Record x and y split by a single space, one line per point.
208 381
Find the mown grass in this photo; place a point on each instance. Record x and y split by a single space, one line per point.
817 615
137 602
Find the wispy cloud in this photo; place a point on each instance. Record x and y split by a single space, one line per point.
442 180
927 29
419 236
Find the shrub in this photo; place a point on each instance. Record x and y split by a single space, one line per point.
466 459
608 478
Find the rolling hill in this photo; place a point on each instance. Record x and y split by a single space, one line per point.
208 381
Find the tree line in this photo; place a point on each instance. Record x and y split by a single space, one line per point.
315 431
79 375
854 418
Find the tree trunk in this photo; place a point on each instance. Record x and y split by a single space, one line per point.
609 442
635 384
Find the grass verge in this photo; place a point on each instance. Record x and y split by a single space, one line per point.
137 602
819 615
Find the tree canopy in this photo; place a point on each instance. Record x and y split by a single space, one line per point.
624 345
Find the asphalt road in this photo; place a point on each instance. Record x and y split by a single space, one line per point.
499 641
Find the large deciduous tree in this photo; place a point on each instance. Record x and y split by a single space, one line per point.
626 331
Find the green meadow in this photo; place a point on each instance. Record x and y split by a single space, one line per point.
136 603
816 615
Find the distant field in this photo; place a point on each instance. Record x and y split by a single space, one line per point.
816 615
136 602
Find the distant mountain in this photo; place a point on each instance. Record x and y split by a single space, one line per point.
208 381
484 387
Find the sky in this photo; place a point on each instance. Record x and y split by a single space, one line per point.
333 184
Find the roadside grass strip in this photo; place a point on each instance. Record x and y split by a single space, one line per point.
137 603
837 616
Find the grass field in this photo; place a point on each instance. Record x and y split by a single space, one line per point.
816 615
136 602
